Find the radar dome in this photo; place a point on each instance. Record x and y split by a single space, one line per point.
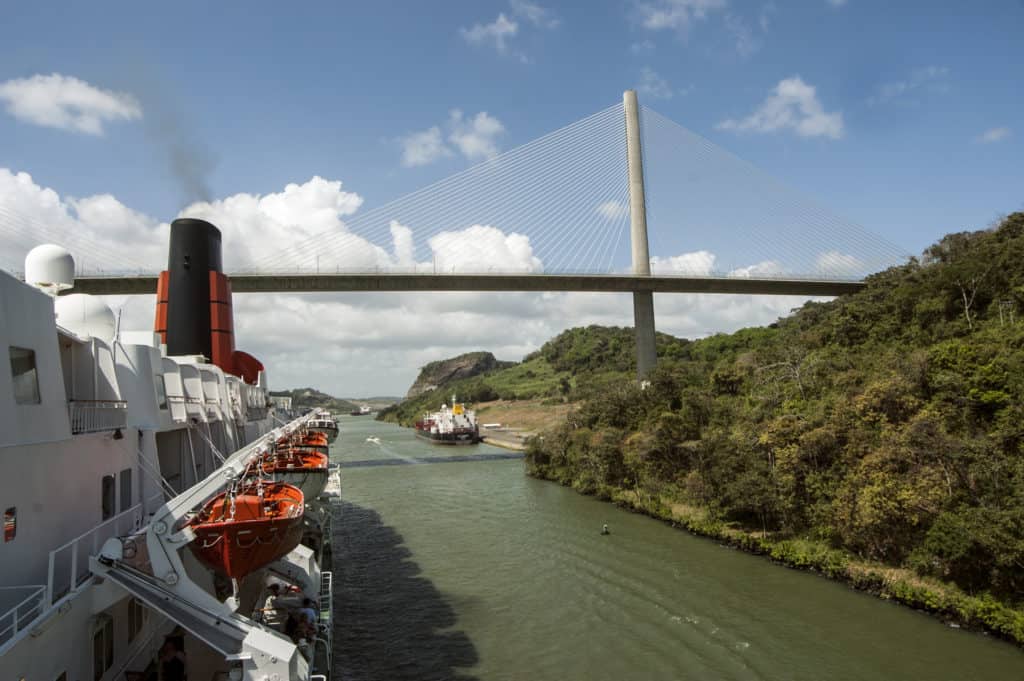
85 316
50 268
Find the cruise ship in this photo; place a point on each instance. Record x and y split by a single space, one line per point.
154 525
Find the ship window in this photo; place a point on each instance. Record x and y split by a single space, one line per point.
126 489
102 648
161 392
136 618
107 496
24 375
10 524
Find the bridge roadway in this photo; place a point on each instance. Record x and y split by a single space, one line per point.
392 282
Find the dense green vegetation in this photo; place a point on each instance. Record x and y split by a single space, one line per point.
885 426
311 397
572 366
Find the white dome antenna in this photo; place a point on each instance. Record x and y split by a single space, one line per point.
50 268
86 316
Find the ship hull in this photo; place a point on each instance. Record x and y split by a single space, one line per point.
448 438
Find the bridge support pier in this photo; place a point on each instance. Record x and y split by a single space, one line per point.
643 301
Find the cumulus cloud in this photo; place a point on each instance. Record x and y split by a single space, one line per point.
695 264
612 210
834 263
994 135
500 33
676 15
792 105
765 268
483 248
652 85
495 34
475 137
424 147
375 342
66 103
103 233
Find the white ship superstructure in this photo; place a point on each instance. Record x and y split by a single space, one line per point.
108 447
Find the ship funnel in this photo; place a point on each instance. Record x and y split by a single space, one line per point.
193 301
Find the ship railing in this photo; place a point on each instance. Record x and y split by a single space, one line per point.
96 416
23 613
69 563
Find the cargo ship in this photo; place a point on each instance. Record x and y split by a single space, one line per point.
160 520
361 411
452 425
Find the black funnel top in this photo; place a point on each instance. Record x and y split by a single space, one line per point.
194 252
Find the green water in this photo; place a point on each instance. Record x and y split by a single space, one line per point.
473 571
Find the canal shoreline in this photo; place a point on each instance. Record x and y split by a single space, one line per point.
946 602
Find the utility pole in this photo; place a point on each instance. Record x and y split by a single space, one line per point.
643 301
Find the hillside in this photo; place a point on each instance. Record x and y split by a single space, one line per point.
576 363
446 371
883 428
311 397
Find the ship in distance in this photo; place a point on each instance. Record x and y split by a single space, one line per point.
451 425
160 520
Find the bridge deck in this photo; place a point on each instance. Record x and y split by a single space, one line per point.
612 283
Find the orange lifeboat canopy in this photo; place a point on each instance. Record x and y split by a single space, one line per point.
239 533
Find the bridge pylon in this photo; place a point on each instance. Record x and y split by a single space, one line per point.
643 301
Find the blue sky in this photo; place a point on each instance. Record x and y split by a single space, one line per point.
276 93
903 117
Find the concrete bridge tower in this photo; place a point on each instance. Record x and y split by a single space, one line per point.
643 301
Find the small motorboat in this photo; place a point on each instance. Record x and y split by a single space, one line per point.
300 466
240 531
375 440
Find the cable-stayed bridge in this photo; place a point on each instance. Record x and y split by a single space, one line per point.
623 200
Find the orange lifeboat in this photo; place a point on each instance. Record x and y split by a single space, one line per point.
238 532
300 466
314 440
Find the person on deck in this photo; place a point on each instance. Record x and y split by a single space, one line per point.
273 611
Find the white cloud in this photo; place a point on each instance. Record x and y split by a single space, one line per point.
476 137
66 103
402 243
540 17
676 15
765 268
928 79
696 264
834 263
375 342
746 42
421 148
495 34
994 135
612 210
652 85
792 105
483 248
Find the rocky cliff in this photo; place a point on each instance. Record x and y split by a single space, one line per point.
437 374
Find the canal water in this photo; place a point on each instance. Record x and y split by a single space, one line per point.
471 570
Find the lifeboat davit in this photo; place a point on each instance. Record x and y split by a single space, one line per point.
238 532
302 467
